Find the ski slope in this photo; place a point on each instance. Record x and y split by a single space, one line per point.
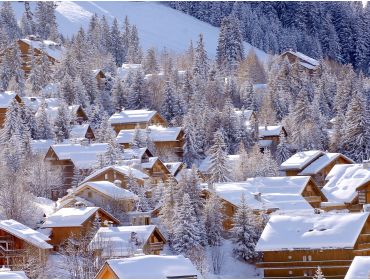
159 26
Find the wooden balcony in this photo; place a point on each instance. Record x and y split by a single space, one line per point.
156 246
313 198
298 264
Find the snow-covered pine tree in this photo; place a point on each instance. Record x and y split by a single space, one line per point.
9 22
134 52
105 133
139 138
62 123
244 232
46 25
169 109
119 95
213 217
282 150
186 234
136 93
200 67
67 89
80 95
218 169
114 153
167 211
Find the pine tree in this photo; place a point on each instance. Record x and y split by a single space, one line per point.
185 235
167 211
150 63
113 154
169 108
319 274
282 150
9 22
244 232
46 24
213 220
200 67
116 47
67 89
80 95
105 132
27 24
119 95
62 123
134 52
218 160
136 95
44 129
139 138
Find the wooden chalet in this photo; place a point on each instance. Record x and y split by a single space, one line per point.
100 78
103 194
82 157
269 136
348 187
149 266
16 239
156 169
75 222
168 141
52 50
314 163
130 119
266 195
126 241
6 99
304 62
293 246
82 131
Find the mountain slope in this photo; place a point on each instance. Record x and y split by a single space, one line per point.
158 25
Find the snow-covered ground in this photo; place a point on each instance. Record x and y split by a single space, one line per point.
159 26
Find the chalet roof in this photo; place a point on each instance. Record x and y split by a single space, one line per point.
41 146
7 273
300 160
123 169
82 156
6 98
359 269
311 231
320 163
150 163
52 49
115 241
264 143
173 167
270 130
156 134
135 153
79 130
205 164
132 116
344 180
123 71
283 193
156 267
71 217
305 60
25 233
107 188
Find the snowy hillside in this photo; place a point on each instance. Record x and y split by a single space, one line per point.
158 25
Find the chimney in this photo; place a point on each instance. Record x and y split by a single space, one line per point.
366 164
118 183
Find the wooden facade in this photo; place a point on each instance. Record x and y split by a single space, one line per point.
313 194
106 272
157 172
59 235
157 119
300 264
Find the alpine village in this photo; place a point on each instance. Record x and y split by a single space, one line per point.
184 140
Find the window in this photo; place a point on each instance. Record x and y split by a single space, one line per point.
309 258
289 257
89 194
106 176
304 258
290 272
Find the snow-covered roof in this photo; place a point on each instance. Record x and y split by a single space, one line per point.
69 217
359 269
306 61
51 48
123 71
321 163
25 233
6 273
132 116
82 156
205 164
283 193
79 130
134 153
264 143
270 130
156 134
153 267
300 160
173 167
123 169
344 180
107 188
34 102
115 241
6 98
314 231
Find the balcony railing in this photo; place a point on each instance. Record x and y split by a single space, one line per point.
156 246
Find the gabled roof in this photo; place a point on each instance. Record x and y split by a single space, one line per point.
156 134
82 156
153 267
344 181
79 130
25 233
6 98
174 167
51 48
136 153
270 130
312 231
132 116
72 217
300 160
107 188
320 163
115 241
123 169
359 269
305 61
